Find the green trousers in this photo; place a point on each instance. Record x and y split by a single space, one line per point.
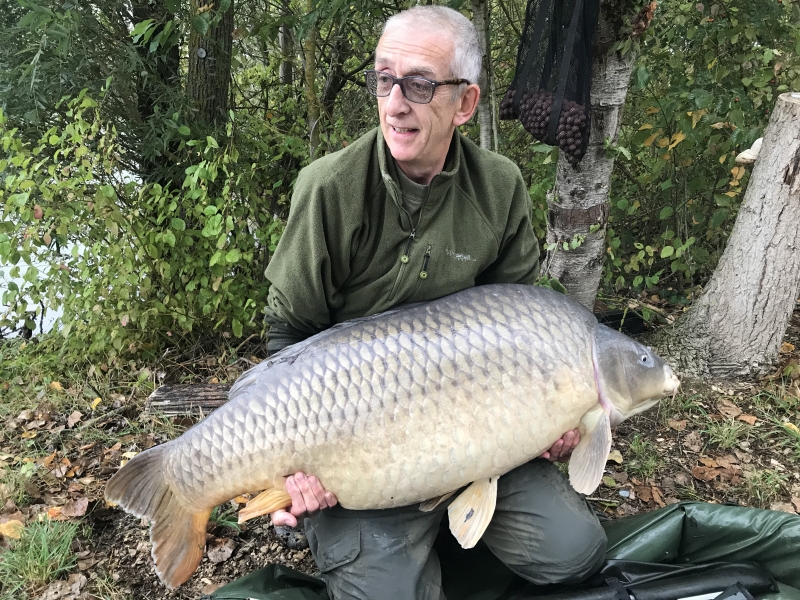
541 529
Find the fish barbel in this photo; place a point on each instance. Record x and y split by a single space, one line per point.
405 406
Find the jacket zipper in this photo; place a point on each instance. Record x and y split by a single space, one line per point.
403 262
424 273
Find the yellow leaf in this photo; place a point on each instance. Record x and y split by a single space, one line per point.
129 455
55 385
645 126
792 427
616 456
737 172
214 380
677 139
722 158
787 347
697 115
28 435
712 63
652 110
731 194
96 402
12 529
649 141
663 142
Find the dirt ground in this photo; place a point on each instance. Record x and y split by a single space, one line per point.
729 442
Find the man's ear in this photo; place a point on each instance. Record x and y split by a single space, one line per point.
467 103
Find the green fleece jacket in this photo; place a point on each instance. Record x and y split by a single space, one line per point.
350 249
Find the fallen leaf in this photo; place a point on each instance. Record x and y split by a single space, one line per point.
609 481
615 456
786 347
728 408
621 477
645 493
12 529
792 427
55 385
95 402
709 462
129 455
749 419
220 549
74 418
657 497
693 442
211 588
677 425
704 473
75 508
783 507
28 435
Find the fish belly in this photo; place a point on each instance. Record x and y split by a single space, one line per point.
402 407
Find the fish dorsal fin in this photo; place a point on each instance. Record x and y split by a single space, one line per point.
266 502
589 458
429 505
472 511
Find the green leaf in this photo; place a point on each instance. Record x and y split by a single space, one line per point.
232 256
184 130
178 224
169 238
237 328
665 213
667 251
210 210
212 143
201 23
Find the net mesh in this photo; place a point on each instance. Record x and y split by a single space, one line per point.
550 91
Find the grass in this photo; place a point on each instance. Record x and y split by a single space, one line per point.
727 433
762 488
225 516
105 588
644 459
41 555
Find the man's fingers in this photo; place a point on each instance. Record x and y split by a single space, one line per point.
331 499
281 518
298 501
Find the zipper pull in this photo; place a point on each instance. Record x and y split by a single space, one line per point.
404 259
424 273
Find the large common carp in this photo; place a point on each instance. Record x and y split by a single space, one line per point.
405 406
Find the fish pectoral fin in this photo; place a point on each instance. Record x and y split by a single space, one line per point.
472 511
589 458
429 505
266 502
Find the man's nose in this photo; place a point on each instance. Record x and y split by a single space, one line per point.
396 102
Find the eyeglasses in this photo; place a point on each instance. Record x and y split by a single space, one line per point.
416 89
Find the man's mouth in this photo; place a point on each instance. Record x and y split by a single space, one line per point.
404 129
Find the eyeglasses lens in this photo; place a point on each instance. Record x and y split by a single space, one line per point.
416 89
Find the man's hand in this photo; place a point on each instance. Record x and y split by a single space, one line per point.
307 496
561 450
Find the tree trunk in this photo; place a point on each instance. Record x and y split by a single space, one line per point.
480 18
736 327
208 80
286 43
578 203
312 101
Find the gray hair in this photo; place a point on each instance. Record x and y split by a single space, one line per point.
467 55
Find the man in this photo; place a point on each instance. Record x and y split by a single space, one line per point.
413 211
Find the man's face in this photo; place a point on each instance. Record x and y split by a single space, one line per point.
418 135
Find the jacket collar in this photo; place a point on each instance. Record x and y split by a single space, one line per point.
439 185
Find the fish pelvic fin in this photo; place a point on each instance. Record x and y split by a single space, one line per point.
266 502
429 505
471 512
589 457
178 533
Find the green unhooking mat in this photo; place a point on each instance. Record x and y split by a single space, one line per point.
690 533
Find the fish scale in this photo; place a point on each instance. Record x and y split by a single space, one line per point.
448 372
402 407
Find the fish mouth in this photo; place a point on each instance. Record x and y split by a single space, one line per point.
672 383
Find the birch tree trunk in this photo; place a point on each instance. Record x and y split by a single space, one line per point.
209 74
480 18
735 328
578 203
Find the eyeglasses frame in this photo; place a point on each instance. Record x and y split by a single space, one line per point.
401 82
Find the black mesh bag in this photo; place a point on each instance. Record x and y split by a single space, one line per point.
550 91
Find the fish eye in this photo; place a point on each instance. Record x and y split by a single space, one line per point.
645 359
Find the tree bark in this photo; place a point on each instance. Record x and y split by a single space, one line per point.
578 203
286 43
735 328
480 18
208 80
312 101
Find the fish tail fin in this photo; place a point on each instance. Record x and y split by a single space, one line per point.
266 502
178 533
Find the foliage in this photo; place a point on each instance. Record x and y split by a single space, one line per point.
42 554
706 80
